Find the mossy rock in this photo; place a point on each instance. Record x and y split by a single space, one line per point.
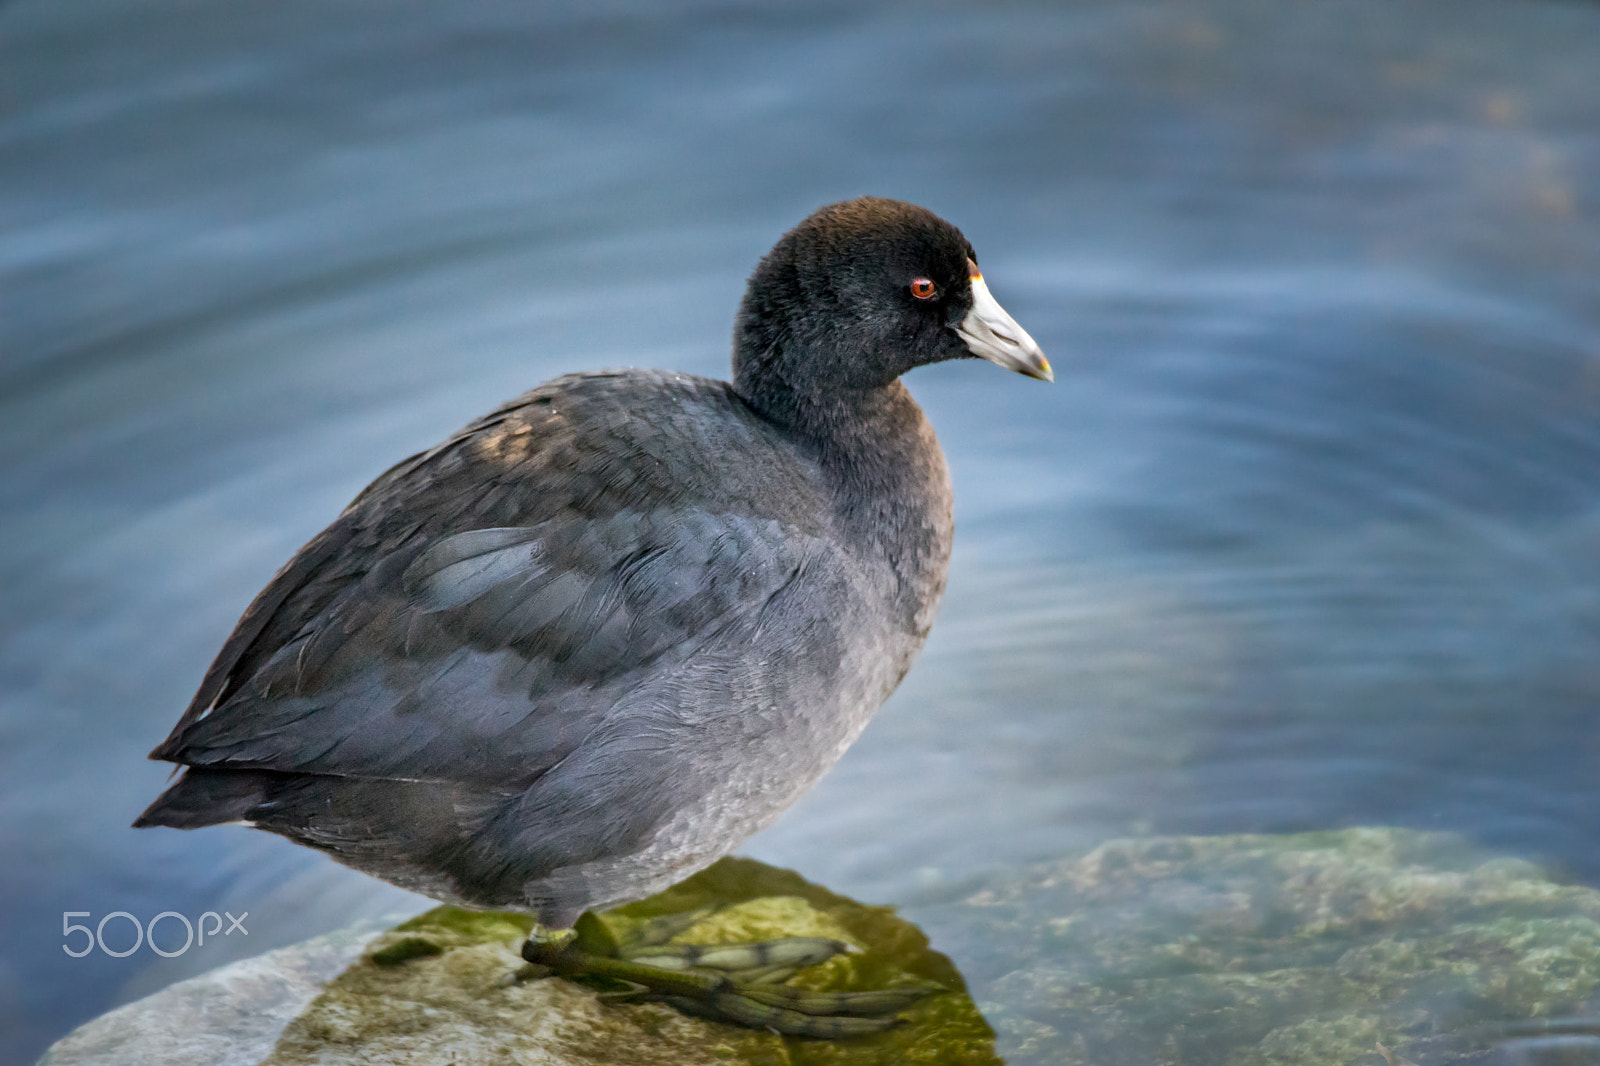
434 989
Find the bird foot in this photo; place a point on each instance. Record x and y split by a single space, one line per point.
735 983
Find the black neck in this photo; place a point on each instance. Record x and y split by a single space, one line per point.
881 459
847 406
867 433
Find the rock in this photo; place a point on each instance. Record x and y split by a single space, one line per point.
231 1016
1255 950
435 990
1247 950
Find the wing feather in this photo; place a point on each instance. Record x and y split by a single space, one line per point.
480 609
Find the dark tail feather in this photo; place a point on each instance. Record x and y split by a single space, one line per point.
210 797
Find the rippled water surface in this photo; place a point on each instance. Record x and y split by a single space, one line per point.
1307 534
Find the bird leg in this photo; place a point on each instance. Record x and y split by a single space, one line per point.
737 983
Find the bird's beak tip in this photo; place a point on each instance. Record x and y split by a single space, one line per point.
992 334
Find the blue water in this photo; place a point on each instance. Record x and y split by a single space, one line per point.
1307 533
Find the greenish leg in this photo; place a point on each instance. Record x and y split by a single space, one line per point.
735 983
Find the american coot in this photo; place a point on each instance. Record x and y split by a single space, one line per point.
593 641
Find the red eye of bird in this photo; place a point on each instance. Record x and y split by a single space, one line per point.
922 288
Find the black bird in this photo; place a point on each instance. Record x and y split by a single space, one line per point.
594 640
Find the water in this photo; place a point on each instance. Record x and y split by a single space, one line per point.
1307 534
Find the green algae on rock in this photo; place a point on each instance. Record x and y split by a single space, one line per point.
435 989
1282 950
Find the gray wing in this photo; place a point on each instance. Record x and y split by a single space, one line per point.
489 655
478 608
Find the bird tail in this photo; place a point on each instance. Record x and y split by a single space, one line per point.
210 797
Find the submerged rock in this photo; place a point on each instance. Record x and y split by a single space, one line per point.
1283 950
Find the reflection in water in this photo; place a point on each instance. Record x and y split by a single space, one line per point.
1306 535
